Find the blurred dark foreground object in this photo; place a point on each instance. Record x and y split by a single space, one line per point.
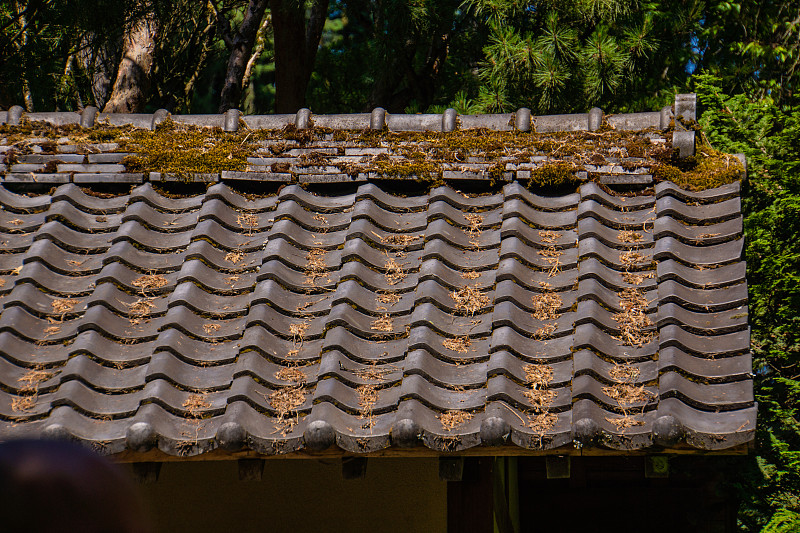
58 486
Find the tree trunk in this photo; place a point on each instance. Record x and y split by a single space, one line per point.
96 59
296 43
241 45
132 85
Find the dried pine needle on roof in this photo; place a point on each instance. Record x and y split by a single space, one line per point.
552 257
470 299
549 237
637 278
474 229
211 328
149 282
234 257
32 378
631 258
624 422
624 373
629 236
298 330
315 266
367 398
399 239
63 306
458 344
453 419
538 375
389 298
546 306
291 374
196 403
284 401
394 271
626 394
633 321
545 332
542 422
540 399
383 323
248 221
21 404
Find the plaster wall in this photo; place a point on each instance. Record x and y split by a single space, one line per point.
397 495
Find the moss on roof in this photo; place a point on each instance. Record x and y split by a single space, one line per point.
186 150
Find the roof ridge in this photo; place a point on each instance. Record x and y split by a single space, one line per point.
379 119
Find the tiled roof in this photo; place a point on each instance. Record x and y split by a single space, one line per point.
369 318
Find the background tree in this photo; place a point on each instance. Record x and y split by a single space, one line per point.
297 34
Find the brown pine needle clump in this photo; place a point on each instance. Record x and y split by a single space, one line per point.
470 299
549 237
400 239
291 374
631 258
21 404
540 399
140 307
538 375
626 394
196 403
248 221
394 270
388 298
635 279
315 267
474 229
373 373
452 419
286 400
544 332
29 389
367 398
298 330
470 275
624 373
552 257
546 306
629 236
633 320
383 323
234 257
32 378
458 344
149 282
624 422
63 306
211 328
542 422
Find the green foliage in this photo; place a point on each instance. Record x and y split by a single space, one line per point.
783 521
769 135
569 56
753 46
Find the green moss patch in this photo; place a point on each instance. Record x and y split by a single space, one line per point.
707 169
186 150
